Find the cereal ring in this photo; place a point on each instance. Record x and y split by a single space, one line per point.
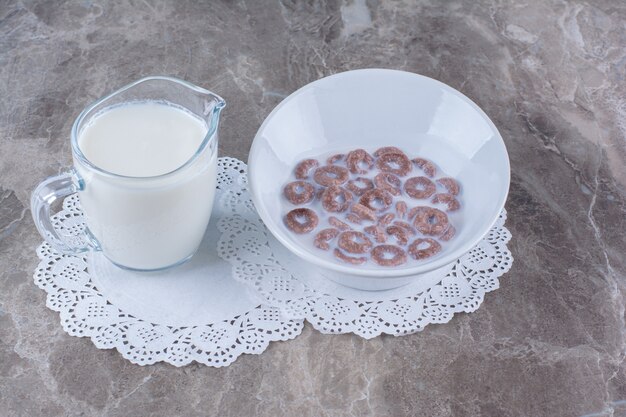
431 221
406 226
399 233
322 238
450 184
294 218
299 192
419 187
354 242
386 149
380 255
448 234
303 168
426 166
334 158
360 185
401 209
414 211
356 160
353 218
338 223
376 199
388 181
363 212
451 203
395 162
385 219
336 199
377 232
424 248
349 259
331 175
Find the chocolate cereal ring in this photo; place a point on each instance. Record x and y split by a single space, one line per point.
355 260
399 233
322 238
301 220
299 192
302 169
363 212
360 185
381 255
335 222
353 218
448 234
376 199
450 184
431 221
419 187
401 209
336 199
386 149
385 219
331 175
406 226
359 161
424 248
388 181
426 166
335 158
354 242
395 162
414 211
451 203
377 232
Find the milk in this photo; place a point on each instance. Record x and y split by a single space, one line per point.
142 218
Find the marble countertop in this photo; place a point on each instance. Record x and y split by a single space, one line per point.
552 76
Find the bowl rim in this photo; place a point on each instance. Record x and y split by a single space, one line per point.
391 272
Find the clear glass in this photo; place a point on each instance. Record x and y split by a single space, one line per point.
139 223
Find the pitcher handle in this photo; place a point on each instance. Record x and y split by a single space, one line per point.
46 193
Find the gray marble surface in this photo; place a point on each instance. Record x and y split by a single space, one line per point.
552 76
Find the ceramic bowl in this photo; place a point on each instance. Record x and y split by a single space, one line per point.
368 109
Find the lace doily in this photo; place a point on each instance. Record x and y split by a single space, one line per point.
143 316
302 293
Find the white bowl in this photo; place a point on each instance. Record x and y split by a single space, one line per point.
368 109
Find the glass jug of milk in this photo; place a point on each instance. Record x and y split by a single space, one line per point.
145 167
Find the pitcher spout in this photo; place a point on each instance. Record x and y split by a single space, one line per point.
213 107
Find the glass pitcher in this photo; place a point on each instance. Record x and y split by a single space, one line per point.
138 222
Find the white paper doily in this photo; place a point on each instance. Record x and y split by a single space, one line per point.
301 292
195 312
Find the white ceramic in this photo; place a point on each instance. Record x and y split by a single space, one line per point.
377 107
